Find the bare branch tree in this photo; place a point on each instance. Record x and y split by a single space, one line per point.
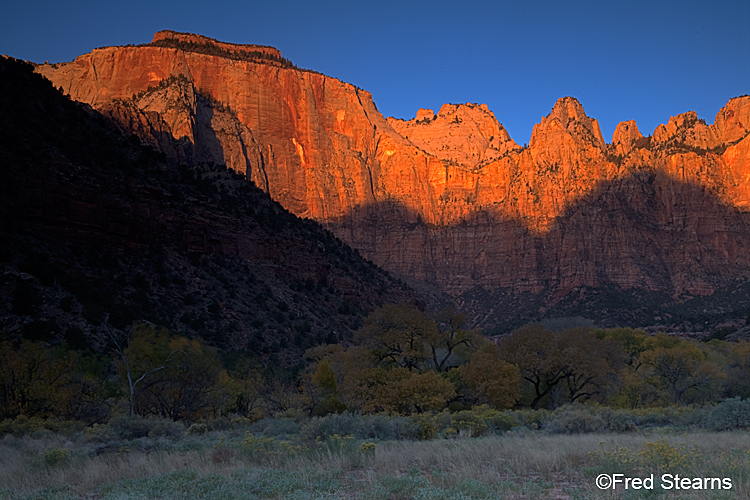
121 349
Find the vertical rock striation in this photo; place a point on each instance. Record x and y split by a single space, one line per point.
445 197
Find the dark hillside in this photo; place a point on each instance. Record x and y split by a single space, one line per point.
95 227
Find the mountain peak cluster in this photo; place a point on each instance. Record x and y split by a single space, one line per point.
447 200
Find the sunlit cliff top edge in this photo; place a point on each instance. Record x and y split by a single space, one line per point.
204 40
573 109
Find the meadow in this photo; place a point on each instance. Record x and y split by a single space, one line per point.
463 455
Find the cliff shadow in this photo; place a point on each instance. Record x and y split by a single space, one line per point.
622 250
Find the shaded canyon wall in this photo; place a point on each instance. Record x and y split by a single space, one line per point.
446 197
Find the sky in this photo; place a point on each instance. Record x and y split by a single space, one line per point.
641 60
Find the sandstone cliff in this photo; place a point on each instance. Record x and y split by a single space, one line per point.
97 228
446 198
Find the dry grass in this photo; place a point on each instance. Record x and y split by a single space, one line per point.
517 456
531 465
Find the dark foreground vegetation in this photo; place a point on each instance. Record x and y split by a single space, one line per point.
400 362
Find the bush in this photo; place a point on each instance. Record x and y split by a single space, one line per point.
731 414
197 429
125 428
654 417
167 428
617 421
498 422
382 427
425 425
575 420
533 419
275 427
55 457
219 424
21 425
469 423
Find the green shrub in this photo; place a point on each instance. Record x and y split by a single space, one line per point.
617 421
425 427
22 426
55 457
219 424
167 428
654 417
275 427
469 423
731 414
575 420
500 422
533 419
241 423
197 429
382 427
125 427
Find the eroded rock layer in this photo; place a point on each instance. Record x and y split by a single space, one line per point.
446 198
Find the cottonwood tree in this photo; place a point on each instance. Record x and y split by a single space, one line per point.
683 372
592 363
535 350
143 350
738 369
37 380
406 392
190 387
451 336
489 379
575 361
398 336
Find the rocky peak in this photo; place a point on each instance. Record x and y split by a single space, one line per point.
568 141
685 130
567 117
425 114
467 134
732 122
624 138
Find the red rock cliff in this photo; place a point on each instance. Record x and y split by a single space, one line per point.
445 197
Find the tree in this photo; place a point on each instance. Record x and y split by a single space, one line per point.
37 380
449 338
537 354
738 369
491 380
682 372
575 361
247 386
633 343
406 392
191 385
398 336
592 364
323 390
143 350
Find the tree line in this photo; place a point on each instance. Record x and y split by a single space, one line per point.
401 361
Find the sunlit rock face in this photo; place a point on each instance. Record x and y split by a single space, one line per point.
445 197
468 134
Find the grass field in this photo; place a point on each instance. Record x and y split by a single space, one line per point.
231 464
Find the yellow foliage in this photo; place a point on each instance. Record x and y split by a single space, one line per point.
490 379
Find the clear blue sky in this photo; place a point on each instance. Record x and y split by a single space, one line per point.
642 60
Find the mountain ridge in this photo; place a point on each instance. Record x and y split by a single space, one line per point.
388 187
98 229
